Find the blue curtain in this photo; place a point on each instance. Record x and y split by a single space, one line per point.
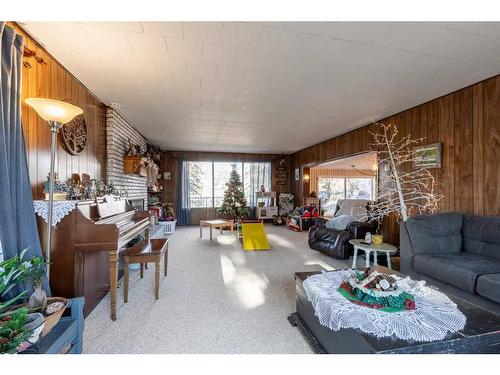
183 194
18 229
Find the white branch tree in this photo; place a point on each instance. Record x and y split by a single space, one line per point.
404 190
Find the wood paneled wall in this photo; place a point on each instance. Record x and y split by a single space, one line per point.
171 160
51 80
466 122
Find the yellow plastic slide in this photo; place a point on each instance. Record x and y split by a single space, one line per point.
254 237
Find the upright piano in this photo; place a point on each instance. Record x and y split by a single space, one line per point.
85 248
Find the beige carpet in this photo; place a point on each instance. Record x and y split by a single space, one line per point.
216 299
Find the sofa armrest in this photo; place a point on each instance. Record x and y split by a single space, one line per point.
311 234
359 228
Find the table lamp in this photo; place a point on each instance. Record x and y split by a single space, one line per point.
56 113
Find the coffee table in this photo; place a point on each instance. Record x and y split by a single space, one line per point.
218 224
481 333
371 248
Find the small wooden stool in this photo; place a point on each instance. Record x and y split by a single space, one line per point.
143 252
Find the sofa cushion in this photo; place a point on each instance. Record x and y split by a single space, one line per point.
488 286
436 234
460 270
481 235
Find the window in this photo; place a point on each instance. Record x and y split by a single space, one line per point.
207 181
200 184
359 188
222 170
255 175
331 189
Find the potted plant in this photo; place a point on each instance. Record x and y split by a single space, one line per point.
13 322
34 272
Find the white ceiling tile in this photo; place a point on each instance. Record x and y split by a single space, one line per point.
218 54
183 49
146 45
122 26
490 54
272 25
276 41
249 58
282 62
170 29
241 34
490 29
308 45
305 27
236 86
203 31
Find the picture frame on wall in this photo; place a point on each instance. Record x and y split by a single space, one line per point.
428 156
297 174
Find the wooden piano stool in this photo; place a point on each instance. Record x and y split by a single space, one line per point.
144 252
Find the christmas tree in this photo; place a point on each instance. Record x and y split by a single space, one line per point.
234 203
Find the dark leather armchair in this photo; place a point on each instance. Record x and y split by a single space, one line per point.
334 242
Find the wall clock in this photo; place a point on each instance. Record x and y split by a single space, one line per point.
74 135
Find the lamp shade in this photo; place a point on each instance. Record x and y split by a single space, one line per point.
54 110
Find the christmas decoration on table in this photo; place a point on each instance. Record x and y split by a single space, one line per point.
234 203
433 318
403 189
61 189
89 188
377 291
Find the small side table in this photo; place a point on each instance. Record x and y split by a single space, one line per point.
385 247
217 224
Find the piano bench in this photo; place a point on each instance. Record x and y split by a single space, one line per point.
143 252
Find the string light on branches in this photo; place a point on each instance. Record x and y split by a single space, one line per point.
405 191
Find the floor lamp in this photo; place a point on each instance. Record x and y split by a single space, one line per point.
56 113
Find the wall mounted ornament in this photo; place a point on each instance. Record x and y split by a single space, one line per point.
74 135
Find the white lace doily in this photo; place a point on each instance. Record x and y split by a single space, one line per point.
434 317
59 210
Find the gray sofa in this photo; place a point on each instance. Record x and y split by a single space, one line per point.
458 253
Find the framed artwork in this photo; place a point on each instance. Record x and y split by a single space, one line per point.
428 156
297 174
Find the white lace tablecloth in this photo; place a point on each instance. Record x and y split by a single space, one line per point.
59 210
434 317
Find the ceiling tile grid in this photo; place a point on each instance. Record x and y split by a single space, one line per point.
267 86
